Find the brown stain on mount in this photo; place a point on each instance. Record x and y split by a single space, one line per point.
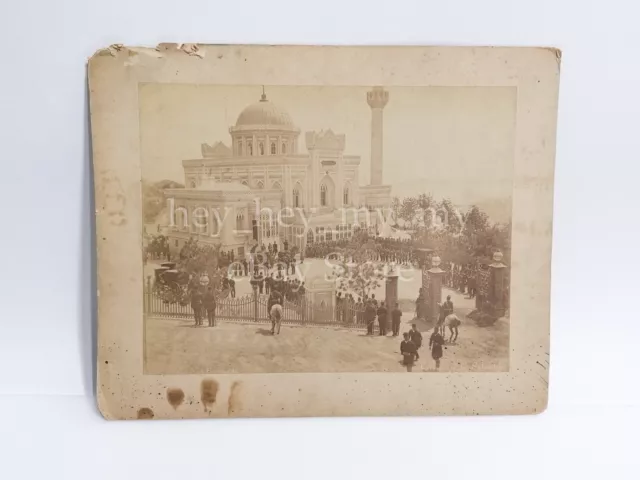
145 414
208 392
175 397
234 404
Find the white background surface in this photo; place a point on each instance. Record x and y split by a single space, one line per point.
49 425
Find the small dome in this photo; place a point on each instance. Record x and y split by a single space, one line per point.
264 113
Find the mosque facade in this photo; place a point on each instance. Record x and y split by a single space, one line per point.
262 188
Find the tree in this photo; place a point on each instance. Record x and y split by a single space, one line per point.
453 217
475 221
153 201
196 259
408 210
358 271
427 208
193 261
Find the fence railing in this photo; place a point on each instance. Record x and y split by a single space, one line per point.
254 308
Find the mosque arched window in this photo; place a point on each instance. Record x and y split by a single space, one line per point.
250 147
345 195
240 147
323 195
310 236
284 148
296 197
261 148
273 148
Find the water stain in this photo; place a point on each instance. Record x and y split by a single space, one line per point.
234 404
175 397
208 392
145 414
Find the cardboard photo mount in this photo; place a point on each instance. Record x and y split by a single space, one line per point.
125 392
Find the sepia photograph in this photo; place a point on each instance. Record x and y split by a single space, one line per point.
326 229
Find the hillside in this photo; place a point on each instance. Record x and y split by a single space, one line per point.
153 201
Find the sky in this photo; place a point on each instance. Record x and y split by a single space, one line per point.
454 142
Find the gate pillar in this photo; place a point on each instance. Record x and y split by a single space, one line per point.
496 286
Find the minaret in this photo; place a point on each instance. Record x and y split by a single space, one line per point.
377 100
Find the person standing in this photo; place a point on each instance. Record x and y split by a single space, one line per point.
209 305
447 306
409 352
435 343
396 314
415 336
369 316
196 305
382 319
232 287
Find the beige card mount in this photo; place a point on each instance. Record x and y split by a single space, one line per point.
323 231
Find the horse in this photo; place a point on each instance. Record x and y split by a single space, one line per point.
276 318
453 322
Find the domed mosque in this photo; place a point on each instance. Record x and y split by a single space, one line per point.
261 190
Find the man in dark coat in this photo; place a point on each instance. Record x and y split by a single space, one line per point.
435 343
396 315
196 305
370 316
415 336
382 319
409 352
447 306
209 305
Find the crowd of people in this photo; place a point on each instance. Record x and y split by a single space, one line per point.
388 250
462 278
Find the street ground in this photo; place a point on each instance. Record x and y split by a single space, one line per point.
177 347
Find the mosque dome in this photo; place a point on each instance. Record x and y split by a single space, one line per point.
264 113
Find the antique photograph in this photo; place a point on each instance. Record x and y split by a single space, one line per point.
326 229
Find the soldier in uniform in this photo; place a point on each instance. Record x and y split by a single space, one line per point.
196 305
209 304
415 336
435 343
396 314
409 352
382 319
369 316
